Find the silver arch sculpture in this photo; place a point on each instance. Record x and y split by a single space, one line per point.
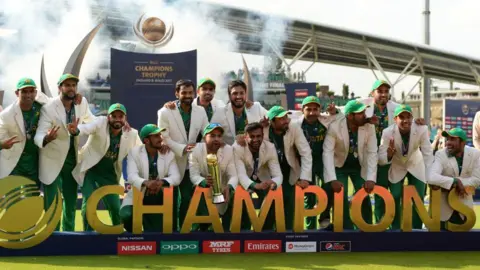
74 64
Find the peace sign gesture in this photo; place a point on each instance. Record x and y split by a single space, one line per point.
7 144
72 127
391 149
52 134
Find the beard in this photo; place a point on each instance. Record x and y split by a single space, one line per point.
116 124
67 97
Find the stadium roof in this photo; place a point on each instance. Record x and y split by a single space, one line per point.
315 42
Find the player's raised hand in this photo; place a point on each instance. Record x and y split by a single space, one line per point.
8 143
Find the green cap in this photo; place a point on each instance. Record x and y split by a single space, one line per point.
378 83
277 111
456 132
402 108
117 107
206 80
150 129
211 127
311 99
25 82
67 76
355 106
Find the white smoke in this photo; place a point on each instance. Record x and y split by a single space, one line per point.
54 28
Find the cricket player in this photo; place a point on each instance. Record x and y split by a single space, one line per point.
184 126
381 113
258 170
406 147
350 150
235 116
314 126
58 148
18 125
205 98
294 155
101 158
149 171
456 166
199 174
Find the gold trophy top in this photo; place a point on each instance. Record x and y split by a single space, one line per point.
212 159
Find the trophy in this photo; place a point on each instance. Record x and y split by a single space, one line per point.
214 172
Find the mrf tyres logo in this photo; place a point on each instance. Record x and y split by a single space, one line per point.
221 246
263 246
335 246
136 248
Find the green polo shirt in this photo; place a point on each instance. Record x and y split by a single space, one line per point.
28 163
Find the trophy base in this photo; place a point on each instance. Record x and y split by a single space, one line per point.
218 199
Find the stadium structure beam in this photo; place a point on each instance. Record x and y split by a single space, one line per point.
475 72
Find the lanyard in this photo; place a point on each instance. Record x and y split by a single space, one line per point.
153 166
279 150
70 114
186 120
238 123
405 146
254 176
353 143
29 126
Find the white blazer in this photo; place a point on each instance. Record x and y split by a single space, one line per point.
98 132
337 144
53 155
294 140
216 104
138 170
419 157
224 116
175 135
445 168
199 169
268 166
12 124
476 131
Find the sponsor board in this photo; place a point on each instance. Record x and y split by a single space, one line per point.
136 248
301 246
335 246
179 247
262 246
221 246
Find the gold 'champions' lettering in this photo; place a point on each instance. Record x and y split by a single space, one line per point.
18 233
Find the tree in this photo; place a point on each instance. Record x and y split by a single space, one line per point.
317 88
331 93
345 91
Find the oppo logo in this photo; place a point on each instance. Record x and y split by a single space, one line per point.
185 247
179 247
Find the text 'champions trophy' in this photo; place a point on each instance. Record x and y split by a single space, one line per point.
214 172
